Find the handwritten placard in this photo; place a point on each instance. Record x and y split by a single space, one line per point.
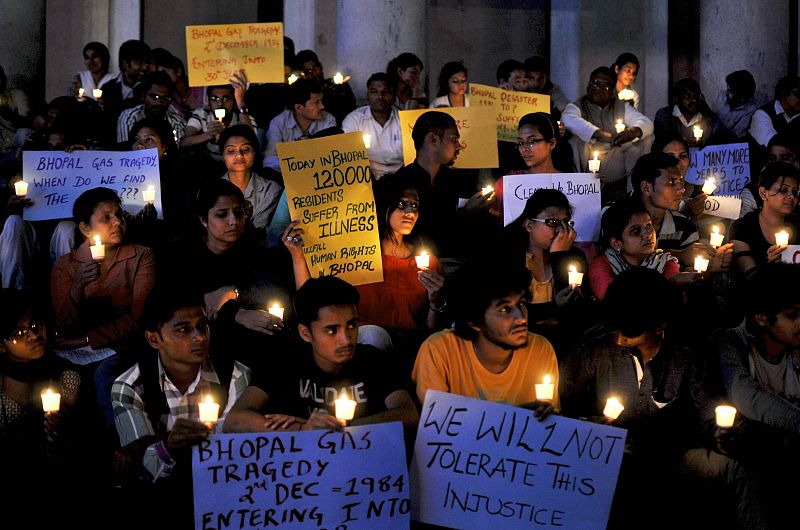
55 179
355 479
476 125
215 52
791 254
329 189
729 164
724 207
509 107
582 191
479 464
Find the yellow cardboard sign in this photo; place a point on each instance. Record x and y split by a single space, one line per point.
476 125
215 52
508 105
329 190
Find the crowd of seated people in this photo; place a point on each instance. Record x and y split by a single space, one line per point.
177 307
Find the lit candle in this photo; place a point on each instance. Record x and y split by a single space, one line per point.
367 140
626 94
725 415
486 190
619 126
21 188
700 264
209 411
292 78
276 310
544 390
97 93
782 238
575 277
51 401
698 132
709 186
594 164
338 79
98 249
345 408
149 195
219 113
613 408
423 260
716 237
81 92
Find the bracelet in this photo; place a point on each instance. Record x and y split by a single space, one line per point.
235 294
439 309
243 110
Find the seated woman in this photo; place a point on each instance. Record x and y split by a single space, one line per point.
543 235
781 148
452 86
239 146
404 73
626 67
33 443
754 235
96 58
629 240
409 302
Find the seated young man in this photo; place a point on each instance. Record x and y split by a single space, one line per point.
490 354
299 392
156 400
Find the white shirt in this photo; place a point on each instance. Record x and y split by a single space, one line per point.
761 128
444 101
584 129
678 114
386 142
284 128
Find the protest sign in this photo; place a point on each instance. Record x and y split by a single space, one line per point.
729 164
215 52
477 128
791 254
355 479
724 207
479 464
582 191
329 190
55 179
509 107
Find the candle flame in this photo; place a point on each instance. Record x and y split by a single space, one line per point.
276 306
343 395
715 228
595 154
573 268
49 391
208 399
423 253
547 379
96 240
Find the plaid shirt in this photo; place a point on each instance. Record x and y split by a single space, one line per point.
132 420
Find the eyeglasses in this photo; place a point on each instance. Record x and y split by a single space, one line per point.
244 151
22 332
529 144
158 97
555 223
403 204
599 83
224 99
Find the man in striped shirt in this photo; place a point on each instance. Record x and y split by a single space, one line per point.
157 88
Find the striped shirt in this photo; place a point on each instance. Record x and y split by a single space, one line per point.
130 116
133 422
677 232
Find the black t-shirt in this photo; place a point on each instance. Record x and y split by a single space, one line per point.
297 386
748 230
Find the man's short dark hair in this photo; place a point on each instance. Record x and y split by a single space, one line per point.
84 205
640 300
166 298
605 70
380 76
506 67
625 58
304 56
432 121
159 78
537 64
478 283
300 92
773 288
649 167
684 85
785 86
133 50
210 88
743 83
321 292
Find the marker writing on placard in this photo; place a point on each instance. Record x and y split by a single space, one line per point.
467 501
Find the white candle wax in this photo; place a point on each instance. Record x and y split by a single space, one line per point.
276 310
613 408
51 401
575 277
98 249
716 237
544 390
725 415
698 132
594 164
209 411
21 188
700 264
345 408
97 93
619 126
149 195
81 92
709 186
423 260
338 78
367 140
626 94
782 238
219 113
292 78
486 190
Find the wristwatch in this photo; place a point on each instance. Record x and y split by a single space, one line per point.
243 110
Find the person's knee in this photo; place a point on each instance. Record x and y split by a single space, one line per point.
375 336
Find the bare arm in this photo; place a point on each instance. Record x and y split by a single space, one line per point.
400 407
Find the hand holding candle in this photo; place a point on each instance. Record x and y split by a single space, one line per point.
698 132
51 401
782 238
709 186
700 264
209 411
149 195
619 126
219 114
98 250
594 164
613 408
725 415
544 390
345 408
276 310
716 237
423 260
575 277
21 188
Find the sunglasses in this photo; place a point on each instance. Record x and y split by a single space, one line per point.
555 223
